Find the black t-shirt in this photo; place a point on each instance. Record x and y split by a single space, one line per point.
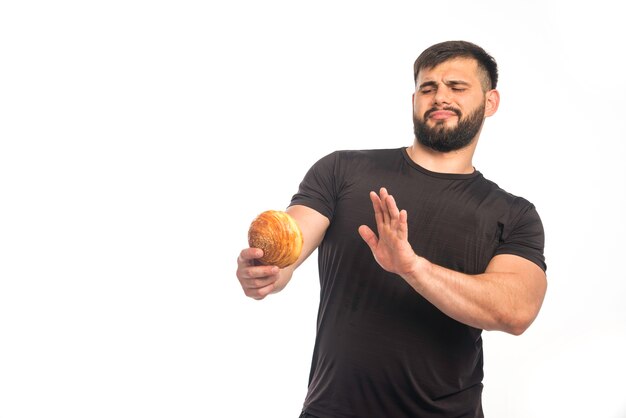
381 349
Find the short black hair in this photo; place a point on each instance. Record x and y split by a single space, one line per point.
444 51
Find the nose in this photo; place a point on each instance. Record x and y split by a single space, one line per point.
442 95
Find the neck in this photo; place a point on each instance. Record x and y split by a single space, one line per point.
453 162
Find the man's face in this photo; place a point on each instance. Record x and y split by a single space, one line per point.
448 105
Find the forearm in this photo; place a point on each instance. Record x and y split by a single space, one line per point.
313 226
257 280
498 299
507 297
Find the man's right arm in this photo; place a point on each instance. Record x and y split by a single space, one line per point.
259 281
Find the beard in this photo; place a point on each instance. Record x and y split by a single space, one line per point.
442 139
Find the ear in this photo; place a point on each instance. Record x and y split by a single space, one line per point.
492 101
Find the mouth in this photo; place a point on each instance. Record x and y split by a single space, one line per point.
442 114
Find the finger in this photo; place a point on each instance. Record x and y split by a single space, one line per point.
378 211
404 225
257 288
368 236
248 255
392 208
248 274
259 293
383 199
259 283
259 272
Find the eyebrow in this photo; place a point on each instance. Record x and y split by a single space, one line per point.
456 82
428 84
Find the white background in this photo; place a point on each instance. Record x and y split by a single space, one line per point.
138 140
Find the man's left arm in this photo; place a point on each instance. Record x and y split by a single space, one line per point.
506 297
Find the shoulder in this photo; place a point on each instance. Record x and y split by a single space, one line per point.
349 154
367 156
499 194
341 160
511 210
522 231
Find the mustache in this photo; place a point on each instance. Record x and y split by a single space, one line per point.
449 108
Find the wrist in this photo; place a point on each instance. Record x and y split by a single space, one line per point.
418 270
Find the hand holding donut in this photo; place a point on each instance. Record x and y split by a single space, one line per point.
275 243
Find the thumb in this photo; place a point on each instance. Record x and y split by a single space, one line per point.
368 236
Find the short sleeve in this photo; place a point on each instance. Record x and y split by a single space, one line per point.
318 189
524 236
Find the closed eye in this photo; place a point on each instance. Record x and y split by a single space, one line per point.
457 85
428 87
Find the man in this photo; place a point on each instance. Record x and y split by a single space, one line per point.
406 293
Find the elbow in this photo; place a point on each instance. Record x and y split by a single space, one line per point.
516 318
517 330
520 323
515 323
